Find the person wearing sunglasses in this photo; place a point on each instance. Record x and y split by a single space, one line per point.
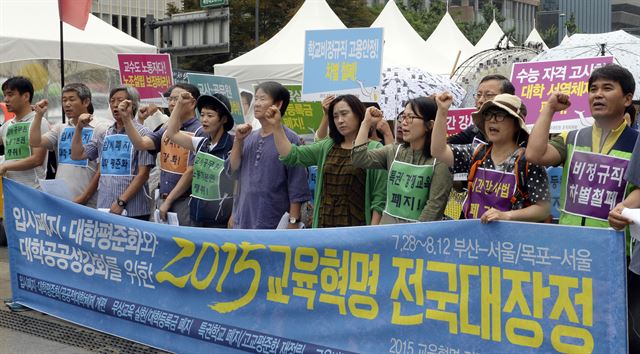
502 185
418 185
490 86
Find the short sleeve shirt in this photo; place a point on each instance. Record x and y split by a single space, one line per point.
537 181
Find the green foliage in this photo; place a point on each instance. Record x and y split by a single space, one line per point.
571 25
550 35
171 9
354 13
489 10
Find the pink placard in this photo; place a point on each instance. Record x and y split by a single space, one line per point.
458 119
150 74
535 81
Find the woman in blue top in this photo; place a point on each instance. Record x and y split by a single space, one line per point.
211 190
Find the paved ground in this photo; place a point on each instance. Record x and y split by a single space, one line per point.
35 332
12 341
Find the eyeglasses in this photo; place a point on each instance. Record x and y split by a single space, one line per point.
488 95
408 117
495 115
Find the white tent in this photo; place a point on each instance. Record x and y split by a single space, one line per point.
448 40
535 38
491 37
403 46
281 58
29 29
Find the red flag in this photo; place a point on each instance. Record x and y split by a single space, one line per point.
75 12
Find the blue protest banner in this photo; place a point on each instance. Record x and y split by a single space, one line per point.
555 181
117 156
452 286
342 61
64 146
228 86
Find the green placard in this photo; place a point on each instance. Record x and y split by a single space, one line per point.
212 3
206 176
302 117
408 189
17 142
228 86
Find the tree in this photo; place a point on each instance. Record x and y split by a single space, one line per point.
550 35
491 12
571 25
354 13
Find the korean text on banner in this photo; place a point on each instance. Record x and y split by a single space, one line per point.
302 117
535 81
504 287
342 61
228 86
150 74
458 119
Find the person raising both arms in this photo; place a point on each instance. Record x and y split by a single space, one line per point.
266 188
502 184
418 186
345 195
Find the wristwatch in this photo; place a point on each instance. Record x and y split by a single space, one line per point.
121 203
293 220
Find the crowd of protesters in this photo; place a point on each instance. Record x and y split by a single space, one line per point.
254 175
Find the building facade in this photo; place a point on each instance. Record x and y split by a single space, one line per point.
129 15
591 16
519 14
625 15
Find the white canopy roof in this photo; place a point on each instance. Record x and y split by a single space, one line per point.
448 40
30 30
490 38
403 46
281 58
534 37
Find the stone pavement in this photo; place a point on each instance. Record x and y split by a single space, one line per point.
35 332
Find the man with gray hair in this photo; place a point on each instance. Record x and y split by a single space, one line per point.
124 171
81 177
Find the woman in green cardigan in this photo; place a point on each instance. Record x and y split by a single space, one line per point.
418 186
345 195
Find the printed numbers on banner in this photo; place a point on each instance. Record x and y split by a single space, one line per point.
399 346
187 252
430 245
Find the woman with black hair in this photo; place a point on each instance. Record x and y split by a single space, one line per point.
502 184
418 186
345 195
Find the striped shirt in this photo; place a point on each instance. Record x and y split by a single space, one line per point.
112 187
27 177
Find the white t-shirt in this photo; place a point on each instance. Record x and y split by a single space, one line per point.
27 177
76 177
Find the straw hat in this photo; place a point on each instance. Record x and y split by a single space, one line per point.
509 103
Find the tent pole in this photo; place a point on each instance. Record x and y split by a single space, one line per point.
61 67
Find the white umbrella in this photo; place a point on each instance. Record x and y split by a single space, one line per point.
401 84
624 48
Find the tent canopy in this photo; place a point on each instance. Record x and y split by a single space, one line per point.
403 46
31 30
448 40
535 38
281 58
490 38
